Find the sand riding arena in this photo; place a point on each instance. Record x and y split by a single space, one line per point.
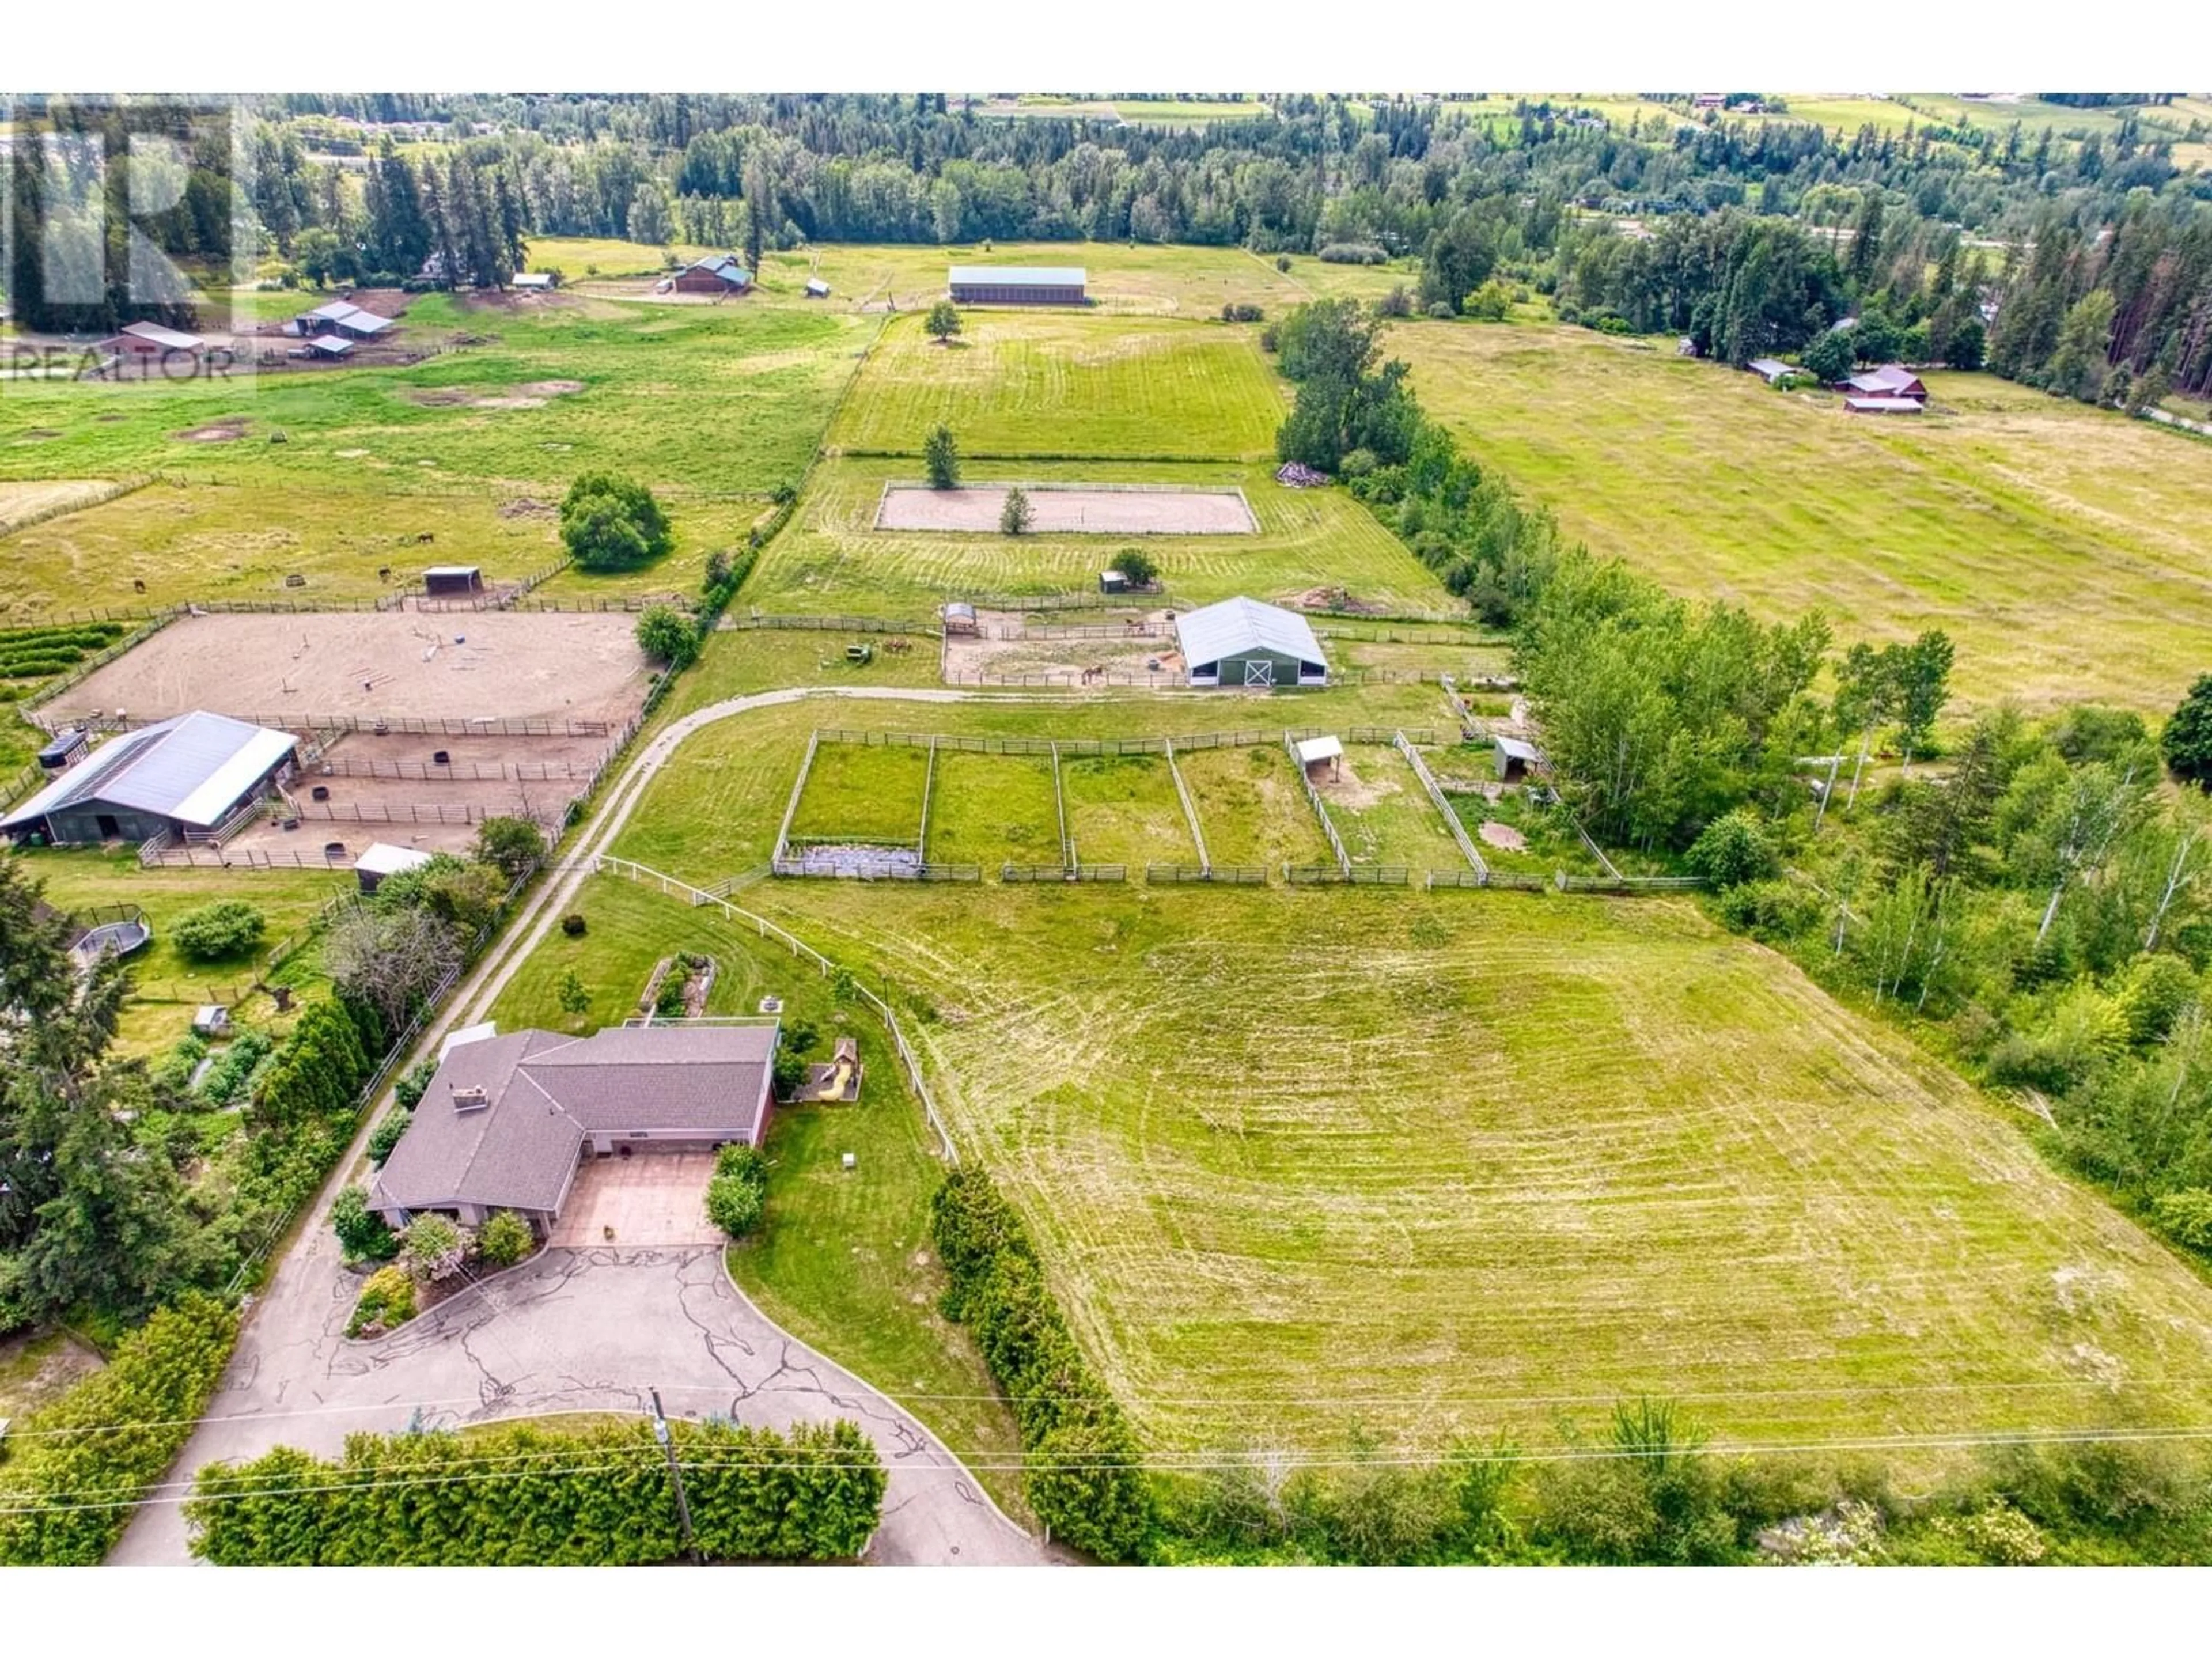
1071 509
413 728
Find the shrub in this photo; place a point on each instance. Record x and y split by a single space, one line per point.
362 1234
435 1247
386 1301
1442 310
612 523
1016 516
2185 1217
667 636
1398 303
387 1137
504 1239
737 1195
1354 253
524 1495
1732 849
1997 1533
1491 303
1283 263
1235 312
226 928
415 1082
1357 464
144 1404
1139 566
573 925
510 845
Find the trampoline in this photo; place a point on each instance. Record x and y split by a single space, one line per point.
111 938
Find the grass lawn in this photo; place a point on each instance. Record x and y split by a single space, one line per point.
1123 809
844 1261
1471 1159
166 987
2053 541
871 795
1250 807
1056 383
832 560
993 810
720 398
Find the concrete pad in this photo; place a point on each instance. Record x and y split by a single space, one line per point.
648 1201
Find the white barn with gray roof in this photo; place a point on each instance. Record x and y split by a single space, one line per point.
1242 642
507 1120
185 776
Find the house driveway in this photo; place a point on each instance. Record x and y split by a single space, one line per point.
571 1330
654 1200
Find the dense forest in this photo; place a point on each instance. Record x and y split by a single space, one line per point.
2080 260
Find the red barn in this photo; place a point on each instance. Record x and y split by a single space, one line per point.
718 273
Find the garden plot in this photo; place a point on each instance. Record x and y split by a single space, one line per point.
1382 814
1251 808
864 794
1123 809
993 810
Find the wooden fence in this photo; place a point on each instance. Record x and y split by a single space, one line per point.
1078 873
1437 798
1224 875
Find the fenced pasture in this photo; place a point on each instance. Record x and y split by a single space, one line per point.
1145 279
992 810
1613 1110
1056 383
1251 808
2055 543
1123 809
476 666
833 558
863 794
1382 814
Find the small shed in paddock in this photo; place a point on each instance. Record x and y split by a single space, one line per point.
442 582
1319 758
1516 758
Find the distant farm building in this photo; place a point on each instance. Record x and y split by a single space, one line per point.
1770 369
382 858
1884 406
1243 642
330 347
151 340
1890 381
186 777
344 319
535 281
1018 285
960 618
718 273
442 582
1515 759
816 288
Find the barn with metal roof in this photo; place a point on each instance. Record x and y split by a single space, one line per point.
1018 285
185 776
1245 642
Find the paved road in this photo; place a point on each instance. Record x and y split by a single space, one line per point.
599 1325
578 1330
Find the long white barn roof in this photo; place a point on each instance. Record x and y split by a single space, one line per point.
1238 625
192 768
1018 275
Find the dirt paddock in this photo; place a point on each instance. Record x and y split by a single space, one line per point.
480 665
1078 509
1125 645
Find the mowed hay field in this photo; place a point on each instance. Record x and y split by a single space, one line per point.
1148 278
1459 1161
833 560
1064 383
2058 545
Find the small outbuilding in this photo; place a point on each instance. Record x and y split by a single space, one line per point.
64 749
959 618
816 288
1884 406
1245 642
382 858
1319 758
331 348
1112 582
143 340
1772 370
718 273
1516 758
1890 381
1018 285
442 582
534 281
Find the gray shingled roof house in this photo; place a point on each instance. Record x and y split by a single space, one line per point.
507 1120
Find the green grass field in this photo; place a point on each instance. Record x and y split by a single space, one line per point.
869 793
1123 808
1384 816
1251 809
1067 383
1124 278
992 810
832 560
1458 1162
2055 542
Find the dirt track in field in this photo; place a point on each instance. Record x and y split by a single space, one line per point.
976 507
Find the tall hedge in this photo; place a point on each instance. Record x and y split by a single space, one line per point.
528 1496
1083 1473
75 1470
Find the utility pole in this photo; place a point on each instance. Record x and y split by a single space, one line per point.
675 1473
